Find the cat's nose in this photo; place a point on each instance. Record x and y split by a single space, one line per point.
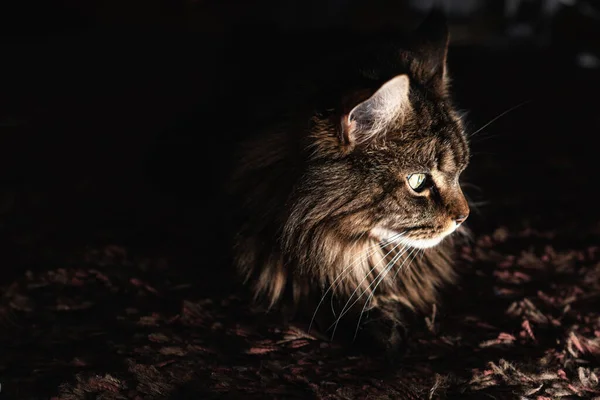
460 219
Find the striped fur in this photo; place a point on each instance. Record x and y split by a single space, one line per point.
319 198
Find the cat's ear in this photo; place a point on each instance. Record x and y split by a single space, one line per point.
371 117
430 44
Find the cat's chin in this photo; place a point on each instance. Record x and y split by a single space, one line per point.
388 235
424 243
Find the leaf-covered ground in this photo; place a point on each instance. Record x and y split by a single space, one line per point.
112 323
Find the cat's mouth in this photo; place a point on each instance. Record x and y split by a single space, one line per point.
416 238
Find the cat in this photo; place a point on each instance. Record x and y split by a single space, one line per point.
353 195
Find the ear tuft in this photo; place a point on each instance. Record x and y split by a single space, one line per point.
373 116
431 44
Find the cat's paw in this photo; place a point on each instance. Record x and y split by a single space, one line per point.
396 343
385 336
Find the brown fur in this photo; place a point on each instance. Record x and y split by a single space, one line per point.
313 191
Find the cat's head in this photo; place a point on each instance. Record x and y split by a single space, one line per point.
386 162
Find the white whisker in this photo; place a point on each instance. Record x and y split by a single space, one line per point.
382 244
392 263
335 283
360 259
498 117
346 309
415 256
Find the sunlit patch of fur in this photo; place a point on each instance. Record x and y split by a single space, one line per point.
354 266
389 105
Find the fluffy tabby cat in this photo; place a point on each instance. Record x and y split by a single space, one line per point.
351 194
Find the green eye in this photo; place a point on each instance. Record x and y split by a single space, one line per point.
416 181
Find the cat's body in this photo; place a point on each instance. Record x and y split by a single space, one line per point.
323 192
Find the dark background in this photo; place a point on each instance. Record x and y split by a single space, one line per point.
113 114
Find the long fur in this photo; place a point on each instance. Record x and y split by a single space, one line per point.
313 191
